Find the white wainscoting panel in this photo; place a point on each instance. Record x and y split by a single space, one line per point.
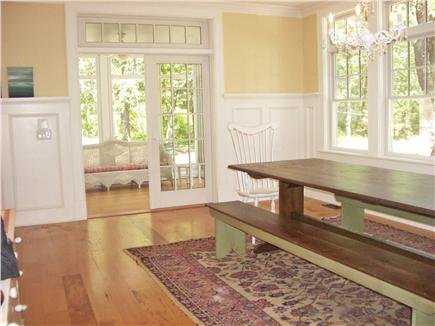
37 175
36 163
288 111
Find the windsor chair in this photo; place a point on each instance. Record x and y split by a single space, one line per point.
254 145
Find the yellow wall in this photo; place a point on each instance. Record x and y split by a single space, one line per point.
262 54
33 35
309 30
266 54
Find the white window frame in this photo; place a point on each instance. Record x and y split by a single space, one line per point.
412 33
84 19
332 127
379 81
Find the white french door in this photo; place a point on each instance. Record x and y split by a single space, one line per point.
178 109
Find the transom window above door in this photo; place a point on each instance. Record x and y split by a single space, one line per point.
101 31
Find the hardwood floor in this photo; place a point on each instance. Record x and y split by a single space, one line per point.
77 273
118 201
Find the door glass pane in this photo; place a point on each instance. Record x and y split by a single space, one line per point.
182 133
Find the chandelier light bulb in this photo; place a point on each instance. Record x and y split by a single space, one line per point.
358 10
331 18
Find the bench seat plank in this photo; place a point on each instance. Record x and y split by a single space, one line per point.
404 269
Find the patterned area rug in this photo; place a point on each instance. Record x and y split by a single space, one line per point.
271 288
391 234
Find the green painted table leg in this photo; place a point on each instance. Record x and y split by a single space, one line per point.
229 238
352 215
421 319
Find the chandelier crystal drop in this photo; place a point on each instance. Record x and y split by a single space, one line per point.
361 38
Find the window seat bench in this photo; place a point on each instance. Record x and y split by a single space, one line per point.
403 275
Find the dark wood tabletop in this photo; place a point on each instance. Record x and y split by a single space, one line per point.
406 191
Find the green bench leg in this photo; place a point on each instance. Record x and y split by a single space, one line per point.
422 319
352 215
229 238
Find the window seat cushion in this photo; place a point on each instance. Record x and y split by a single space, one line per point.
111 168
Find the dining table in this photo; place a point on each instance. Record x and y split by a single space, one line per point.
407 195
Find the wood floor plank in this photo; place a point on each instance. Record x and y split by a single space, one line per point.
79 307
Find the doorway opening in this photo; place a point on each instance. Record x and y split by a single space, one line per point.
114 134
144 132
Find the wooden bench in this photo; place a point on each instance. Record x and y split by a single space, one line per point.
403 275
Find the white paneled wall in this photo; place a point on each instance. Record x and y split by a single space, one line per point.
293 114
37 175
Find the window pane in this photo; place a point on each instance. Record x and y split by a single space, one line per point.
166 101
430 81
413 126
180 101
398 14
193 35
89 111
128 33
93 32
161 34
417 81
178 35
340 64
181 152
198 176
195 101
194 76
364 86
341 88
180 127
352 125
110 33
400 83
354 86
430 10
129 114
179 75
353 64
417 12
400 55
417 52
87 66
123 65
145 33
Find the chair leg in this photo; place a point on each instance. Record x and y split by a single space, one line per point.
256 202
272 205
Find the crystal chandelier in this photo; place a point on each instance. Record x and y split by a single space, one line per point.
360 36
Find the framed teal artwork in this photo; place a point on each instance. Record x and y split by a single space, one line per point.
20 81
